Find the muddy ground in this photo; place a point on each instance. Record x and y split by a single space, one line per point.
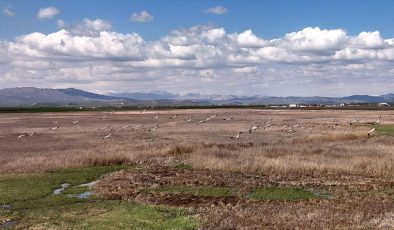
341 201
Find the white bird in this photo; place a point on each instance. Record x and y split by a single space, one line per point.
378 121
55 122
105 116
125 127
31 134
173 117
253 128
157 116
283 128
53 128
202 121
236 136
20 136
371 131
290 131
353 122
105 137
296 125
228 118
154 128
75 122
189 120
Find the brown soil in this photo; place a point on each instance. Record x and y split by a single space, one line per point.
355 202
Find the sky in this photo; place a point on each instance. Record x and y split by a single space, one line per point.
230 47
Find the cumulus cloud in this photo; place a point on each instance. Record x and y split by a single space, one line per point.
143 16
216 10
368 40
203 57
88 27
47 13
313 40
7 11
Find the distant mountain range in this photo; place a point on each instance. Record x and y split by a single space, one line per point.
30 96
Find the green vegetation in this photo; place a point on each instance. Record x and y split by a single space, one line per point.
75 190
385 130
197 191
277 193
28 186
32 204
183 166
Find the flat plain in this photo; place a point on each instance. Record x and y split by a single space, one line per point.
199 168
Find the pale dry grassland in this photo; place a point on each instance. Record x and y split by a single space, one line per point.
315 148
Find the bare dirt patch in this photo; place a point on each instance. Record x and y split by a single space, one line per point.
353 201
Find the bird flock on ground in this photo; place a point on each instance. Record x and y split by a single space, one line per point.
263 125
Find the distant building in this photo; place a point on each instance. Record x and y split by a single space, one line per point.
383 104
292 105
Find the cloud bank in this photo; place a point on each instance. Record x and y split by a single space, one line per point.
203 58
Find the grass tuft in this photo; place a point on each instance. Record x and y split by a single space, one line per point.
197 191
276 193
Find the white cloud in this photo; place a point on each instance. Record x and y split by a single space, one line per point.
143 16
368 40
60 24
88 27
248 39
7 11
313 40
47 13
216 10
202 57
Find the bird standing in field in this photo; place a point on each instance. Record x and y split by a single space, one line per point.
20 136
189 120
378 121
253 128
290 131
236 136
157 116
154 128
109 135
75 122
371 131
354 122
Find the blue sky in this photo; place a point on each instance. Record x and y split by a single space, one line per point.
269 19
280 48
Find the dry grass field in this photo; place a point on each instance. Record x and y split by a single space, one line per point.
349 174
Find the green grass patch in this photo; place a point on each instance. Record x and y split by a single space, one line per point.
34 207
277 193
76 190
385 130
107 214
27 186
183 166
197 190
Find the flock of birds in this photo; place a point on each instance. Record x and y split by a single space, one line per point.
251 129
